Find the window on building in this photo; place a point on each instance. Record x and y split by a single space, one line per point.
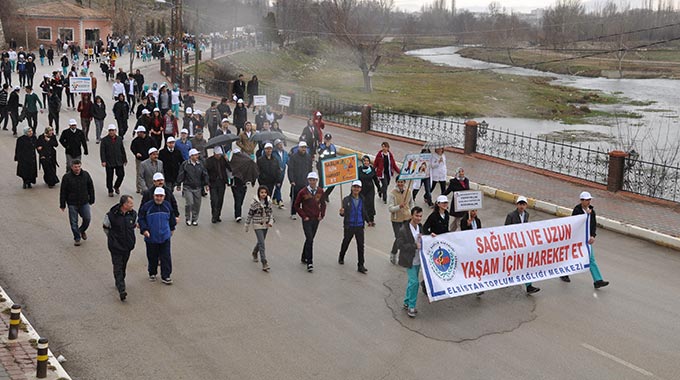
66 34
44 33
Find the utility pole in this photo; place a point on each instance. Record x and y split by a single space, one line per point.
197 51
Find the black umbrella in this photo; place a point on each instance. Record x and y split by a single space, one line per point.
221 140
244 168
268 136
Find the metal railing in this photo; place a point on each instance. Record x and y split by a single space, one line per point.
572 160
652 179
418 127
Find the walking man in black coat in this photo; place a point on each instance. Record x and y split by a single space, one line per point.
113 158
72 139
119 225
77 191
518 216
172 159
121 111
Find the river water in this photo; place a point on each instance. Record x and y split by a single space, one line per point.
655 135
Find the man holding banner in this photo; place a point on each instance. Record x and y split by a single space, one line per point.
518 216
409 242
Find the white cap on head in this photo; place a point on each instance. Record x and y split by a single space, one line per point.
225 120
16 88
442 199
193 152
188 110
156 109
111 127
586 195
312 175
198 112
158 176
152 150
318 113
356 183
235 150
184 130
159 191
140 128
145 111
301 144
72 122
170 139
521 198
240 101
268 145
217 150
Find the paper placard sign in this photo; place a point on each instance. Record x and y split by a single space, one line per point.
284 100
416 166
80 85
467 200
260 100
339 170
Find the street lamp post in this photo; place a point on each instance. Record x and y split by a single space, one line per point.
177 28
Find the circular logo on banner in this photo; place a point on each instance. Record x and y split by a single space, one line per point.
444 260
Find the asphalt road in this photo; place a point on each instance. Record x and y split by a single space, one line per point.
224 318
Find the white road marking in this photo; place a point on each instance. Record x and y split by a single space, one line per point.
618 360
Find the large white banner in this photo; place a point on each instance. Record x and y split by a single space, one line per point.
465 262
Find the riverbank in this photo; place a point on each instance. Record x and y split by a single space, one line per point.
409 84
635 65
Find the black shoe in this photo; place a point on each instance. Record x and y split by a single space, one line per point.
29 186
110 194
310 268
117 190
600 284
303 260
532 289
213 220
362 269
123 295
25 186
565 278
341 260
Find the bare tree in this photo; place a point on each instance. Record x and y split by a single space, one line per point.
361 25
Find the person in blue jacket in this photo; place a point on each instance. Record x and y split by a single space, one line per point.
281 155
157 223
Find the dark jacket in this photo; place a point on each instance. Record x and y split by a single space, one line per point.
456 185
310 206
121 230
171 162
253 87
435 224
76 190
353 216
239 88
218 170
24 155
463 223
54 103
578 210
369 181
99 111
147 195
72 140
121 110
270 171
298 168
224 109
240 116
193 176
513 218
141 146
407 245
158 220
112 153
13 102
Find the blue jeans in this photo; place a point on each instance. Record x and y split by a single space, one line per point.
412 287
73 213
594 270
159 251
277 193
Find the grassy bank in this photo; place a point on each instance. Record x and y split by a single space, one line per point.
409 84
653 64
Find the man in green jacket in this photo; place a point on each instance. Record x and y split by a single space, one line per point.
31 102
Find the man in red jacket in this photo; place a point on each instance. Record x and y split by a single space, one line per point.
310 205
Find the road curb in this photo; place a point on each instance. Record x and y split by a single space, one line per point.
55 371
655 237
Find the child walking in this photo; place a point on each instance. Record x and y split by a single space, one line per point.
260 214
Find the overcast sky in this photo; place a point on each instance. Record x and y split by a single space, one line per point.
517 5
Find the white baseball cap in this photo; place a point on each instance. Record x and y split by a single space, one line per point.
193 152
188 110
240 101
156 109
111 127
301 144
198 112
318 114
16 88
184 130
312 175
586 195
145 111
140 129
158 176
236 150
170 139
442 199
159 191
152 150
356 183
225 120
217 150
268 145
72 122
521 198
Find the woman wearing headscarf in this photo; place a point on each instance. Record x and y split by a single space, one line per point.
24 155
457 183
369 182
47 153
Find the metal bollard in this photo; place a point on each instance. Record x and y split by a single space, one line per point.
14 322
41 371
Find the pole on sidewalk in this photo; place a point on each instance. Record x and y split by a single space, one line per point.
14 322
41 371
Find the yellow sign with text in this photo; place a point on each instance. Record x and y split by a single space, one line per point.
339 170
